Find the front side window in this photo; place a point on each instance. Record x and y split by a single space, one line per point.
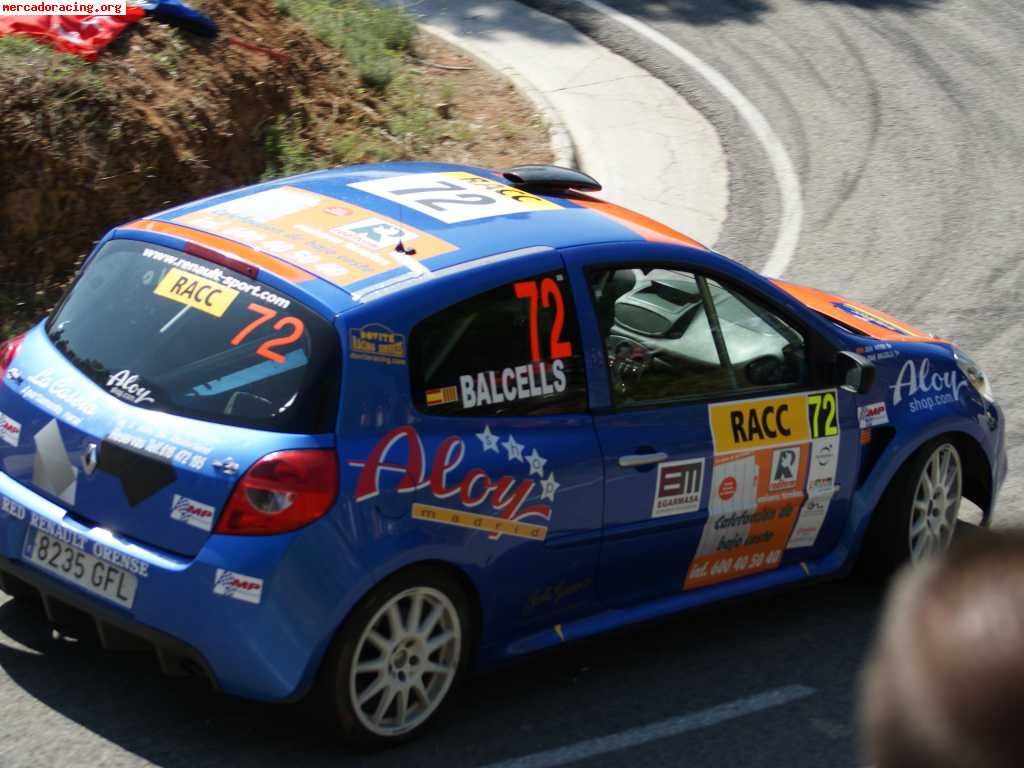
170 331
671 335
512 351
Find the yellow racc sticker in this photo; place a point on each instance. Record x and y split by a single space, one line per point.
746 424
195 291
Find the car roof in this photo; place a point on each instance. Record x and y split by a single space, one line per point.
333 233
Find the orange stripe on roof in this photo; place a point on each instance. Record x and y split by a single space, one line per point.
265 261
646 227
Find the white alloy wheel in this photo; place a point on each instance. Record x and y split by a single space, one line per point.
936 503
405 661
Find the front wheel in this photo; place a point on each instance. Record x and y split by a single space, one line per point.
397 658
917 515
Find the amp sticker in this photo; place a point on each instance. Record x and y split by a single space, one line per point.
248 589
456 196
772 479
10 430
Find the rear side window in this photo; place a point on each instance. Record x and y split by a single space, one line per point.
173 332
512 351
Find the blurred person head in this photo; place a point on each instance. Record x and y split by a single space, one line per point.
944 687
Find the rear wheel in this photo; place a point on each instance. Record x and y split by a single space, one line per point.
917 515
397 657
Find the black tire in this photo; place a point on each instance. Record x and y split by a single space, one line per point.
887 545
335 685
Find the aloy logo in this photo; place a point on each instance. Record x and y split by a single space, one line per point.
124 385
505 495
917 378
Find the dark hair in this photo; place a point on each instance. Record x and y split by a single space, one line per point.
944 687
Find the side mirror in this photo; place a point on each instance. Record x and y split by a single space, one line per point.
856 372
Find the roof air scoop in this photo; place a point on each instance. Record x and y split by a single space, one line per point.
551 177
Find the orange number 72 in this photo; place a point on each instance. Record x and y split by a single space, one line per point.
266 314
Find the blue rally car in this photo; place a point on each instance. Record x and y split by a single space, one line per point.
361 430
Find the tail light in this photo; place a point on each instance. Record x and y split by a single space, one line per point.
7 352
281 492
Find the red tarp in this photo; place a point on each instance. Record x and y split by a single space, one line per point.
84 36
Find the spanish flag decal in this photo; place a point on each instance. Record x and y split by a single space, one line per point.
442 395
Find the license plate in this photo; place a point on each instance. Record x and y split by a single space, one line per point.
79 567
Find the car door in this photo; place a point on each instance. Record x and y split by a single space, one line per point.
493 463
712 431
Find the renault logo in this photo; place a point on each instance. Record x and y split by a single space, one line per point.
90 456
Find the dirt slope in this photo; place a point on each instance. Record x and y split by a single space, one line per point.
165 117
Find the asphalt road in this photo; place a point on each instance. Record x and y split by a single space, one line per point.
902 118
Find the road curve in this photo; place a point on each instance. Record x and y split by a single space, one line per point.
903 121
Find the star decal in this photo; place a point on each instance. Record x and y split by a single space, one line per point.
489 439
536 463
548 487
515 450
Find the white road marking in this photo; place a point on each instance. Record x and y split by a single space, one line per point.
660 730
785 172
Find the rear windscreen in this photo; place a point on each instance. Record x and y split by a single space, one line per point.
173 332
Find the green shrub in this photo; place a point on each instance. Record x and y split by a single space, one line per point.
373 38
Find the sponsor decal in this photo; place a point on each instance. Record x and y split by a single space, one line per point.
124 385
493 525
339 242
812 517
552 595
248 589
822 471
12 508
73 405
168 446
192 512
453 197
745 424
678 487
925 389
785 468
10 430
375 233
770 455
522 382
376 343
876 352
755 423
55 530
870 317
217 275
441 396
444 478
873 415
196 292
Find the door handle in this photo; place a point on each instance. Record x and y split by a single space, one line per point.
641 459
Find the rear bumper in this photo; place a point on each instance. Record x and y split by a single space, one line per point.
73 613
264 646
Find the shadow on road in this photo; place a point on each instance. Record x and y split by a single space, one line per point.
815 636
